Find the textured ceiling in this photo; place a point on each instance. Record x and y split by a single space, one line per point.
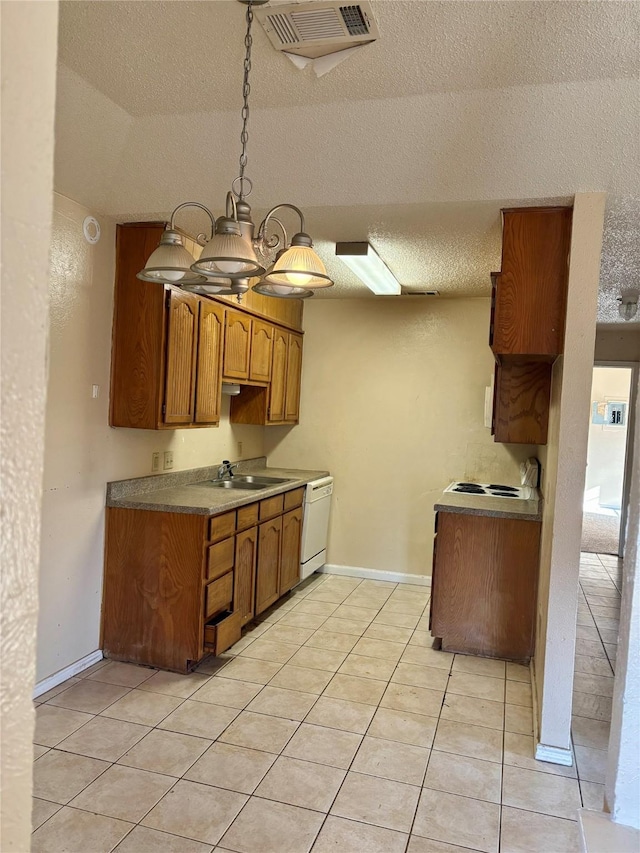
180 57
414 142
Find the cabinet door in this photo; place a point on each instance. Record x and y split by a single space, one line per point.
268 569
237 345
532 291
278 376
245 568
180 371
208 385
294 371
261 344
290 558
521 402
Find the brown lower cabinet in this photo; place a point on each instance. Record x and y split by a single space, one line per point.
484 585
179 586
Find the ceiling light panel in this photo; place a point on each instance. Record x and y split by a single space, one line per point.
363 260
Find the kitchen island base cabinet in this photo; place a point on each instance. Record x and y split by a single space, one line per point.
153 597
484 585
179 586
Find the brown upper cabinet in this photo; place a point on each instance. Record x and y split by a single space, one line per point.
279 403
237 345
162 373
210 343
171 349
181 353
278 389
530 292
261 350
294 376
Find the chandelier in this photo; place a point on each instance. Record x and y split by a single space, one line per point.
234 252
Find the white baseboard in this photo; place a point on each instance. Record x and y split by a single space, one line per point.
376 574
554 754
68 672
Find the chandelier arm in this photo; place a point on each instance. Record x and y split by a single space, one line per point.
274 241
231 207
265 221
192 204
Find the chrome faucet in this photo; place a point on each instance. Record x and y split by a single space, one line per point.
226 469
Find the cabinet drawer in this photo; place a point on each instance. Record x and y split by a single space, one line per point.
271 507
222 633
222 526
293 499
220 558
219 595
247 517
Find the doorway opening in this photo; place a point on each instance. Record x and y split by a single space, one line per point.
608 458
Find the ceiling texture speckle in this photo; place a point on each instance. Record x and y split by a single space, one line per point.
414 142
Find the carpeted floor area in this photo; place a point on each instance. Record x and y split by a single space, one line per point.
600 533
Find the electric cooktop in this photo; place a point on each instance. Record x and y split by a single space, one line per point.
492 490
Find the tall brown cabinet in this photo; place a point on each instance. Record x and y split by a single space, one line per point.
526 330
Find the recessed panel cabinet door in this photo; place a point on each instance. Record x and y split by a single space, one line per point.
294 372
261 343
268 569
237 345
278 376
208 379
290 557
245 569
182 337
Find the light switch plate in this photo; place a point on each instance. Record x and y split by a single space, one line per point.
155 462
168 460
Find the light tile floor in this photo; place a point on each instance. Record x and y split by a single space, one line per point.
331 726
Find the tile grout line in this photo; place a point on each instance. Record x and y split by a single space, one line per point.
354 758
604 649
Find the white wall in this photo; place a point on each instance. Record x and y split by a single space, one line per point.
29 46
622 791
82 453
564 463
607 445
392 404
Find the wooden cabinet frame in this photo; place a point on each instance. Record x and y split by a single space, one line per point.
168 346
178 586
484 585
279 403
527 320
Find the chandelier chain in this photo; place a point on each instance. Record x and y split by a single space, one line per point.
246 89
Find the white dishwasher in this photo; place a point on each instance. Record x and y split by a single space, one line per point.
315 525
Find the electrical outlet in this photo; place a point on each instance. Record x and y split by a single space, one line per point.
239 450
168 460
155 462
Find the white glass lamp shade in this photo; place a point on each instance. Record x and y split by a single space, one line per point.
221 287
298 266
282 291
170 262
227 256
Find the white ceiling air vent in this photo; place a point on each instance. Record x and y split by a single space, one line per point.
318 29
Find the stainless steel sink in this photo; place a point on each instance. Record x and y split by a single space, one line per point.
246 482
264 481
234 484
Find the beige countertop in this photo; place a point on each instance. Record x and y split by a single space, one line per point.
186 492
495 507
